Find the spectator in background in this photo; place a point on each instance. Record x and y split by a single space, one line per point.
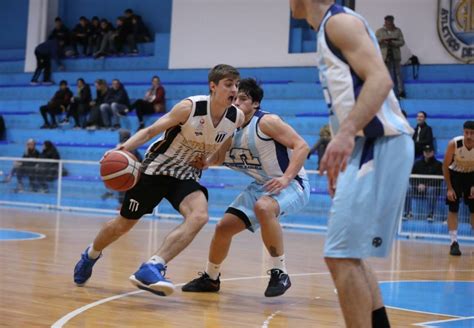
458 171
106 39
57 105
322 143
60 33
425 188
423 134
139 30
3 129
44 52
95 36
80 104
80 35
47 171
153 102
27 168
116 103
94 120
123 34
391 39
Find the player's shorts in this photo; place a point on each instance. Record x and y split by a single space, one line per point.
369 198
291 199
151 189
462 184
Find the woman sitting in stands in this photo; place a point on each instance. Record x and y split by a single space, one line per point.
153 102
47 171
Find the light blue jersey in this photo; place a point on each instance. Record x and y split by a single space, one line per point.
341 86
263 158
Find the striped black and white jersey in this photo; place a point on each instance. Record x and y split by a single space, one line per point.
173 152
463 158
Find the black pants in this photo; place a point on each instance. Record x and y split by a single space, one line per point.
83 41
78 112
129 39
29 171
143 107
94 116
52 110
43 62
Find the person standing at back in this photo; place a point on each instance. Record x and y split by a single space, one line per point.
371 140
423 135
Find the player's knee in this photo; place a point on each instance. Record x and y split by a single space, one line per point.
199 219
223 231
264 208
121 226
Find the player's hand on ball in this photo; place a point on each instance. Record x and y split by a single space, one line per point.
335 158
109 151
200 162
275 185
451 195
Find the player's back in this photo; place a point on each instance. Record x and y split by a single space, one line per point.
341 85
257 155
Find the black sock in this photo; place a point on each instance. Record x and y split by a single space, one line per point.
380 319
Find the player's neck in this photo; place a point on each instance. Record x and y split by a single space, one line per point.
316 14
248 117
217 110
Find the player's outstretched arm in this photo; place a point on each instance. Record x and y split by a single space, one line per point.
448 159
275 128
349 35
178 115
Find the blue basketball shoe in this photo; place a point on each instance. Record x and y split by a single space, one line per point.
83 268
151 277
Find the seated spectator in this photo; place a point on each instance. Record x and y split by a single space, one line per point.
80 104
95 36
106 39
60 33
44 52
47 171
430 189
80 35
423 134
153 102
116 103
94 120
27 168
139 30
122 35
322 143
56 105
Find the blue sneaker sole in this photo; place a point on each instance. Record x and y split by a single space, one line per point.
161 288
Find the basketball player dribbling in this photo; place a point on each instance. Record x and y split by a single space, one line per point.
368 161
272 153
194 129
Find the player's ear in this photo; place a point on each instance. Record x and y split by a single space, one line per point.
212 86
256 104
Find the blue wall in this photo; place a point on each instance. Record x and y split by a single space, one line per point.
155 13
14 20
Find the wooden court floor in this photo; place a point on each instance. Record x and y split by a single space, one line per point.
36 287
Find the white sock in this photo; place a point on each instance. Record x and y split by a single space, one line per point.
454 235
278 262
92 253
155 259
213 270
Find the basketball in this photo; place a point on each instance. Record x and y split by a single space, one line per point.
120 170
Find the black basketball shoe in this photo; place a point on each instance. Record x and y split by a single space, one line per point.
203 284
278 284
454 250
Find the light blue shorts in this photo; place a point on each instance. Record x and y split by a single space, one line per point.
369 198
291 199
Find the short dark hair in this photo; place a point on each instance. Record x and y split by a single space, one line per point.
128 11
252 89
63 82
95 18
82 18
222 71
58 19
82 80
469 125
424 113
389 18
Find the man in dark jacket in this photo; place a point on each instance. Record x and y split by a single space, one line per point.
94 120
116 103
27 168
80 35
427 188
80 104
44 52
57 104
423 134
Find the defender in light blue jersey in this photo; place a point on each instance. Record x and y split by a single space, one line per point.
368 161
271 152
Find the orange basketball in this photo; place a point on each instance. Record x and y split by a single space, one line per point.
120 170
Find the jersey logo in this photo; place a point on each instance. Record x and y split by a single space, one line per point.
242 158
133 206
220 136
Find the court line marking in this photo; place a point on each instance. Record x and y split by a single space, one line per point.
269 318
39 235
62 321
424 324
